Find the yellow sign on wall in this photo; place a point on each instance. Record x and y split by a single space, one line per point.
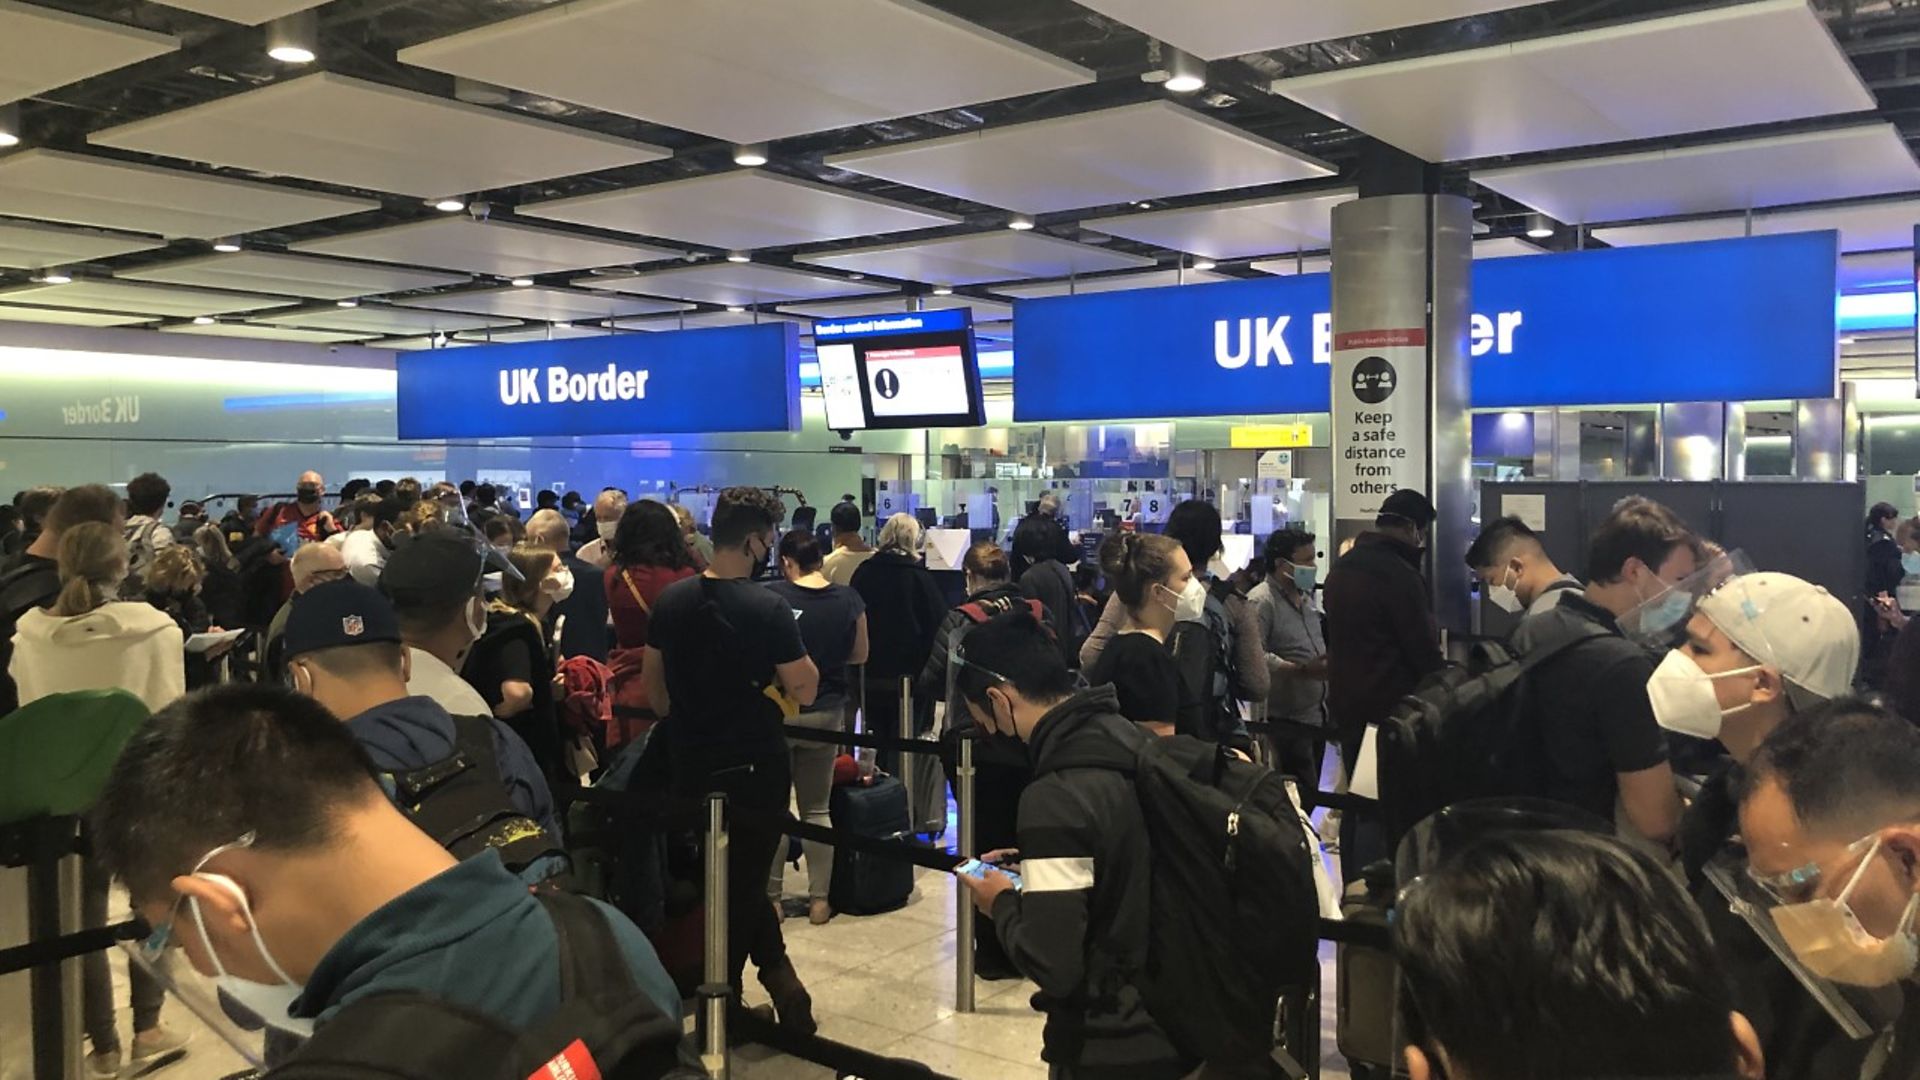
1270 436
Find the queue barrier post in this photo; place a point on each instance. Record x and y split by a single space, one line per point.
905 766
716 991
46 848
964 929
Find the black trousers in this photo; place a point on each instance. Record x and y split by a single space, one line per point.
755 783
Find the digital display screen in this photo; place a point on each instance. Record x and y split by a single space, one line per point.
915 369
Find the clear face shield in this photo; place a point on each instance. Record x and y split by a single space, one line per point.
1684 689
1659 622
494 565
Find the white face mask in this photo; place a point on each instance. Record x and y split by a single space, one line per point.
1190 603
1827 937
606 529
476 618
558 584
1683 697
269 1001
1504 597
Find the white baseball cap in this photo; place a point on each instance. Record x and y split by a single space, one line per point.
1791 624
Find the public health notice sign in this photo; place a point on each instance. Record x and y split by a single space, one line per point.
1379 417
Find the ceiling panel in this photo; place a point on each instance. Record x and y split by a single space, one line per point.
543 304
733 283
29 245
1869 270
550 332
1220 28
376 319
1153 279
741 210
1726 67
1001 255
138 299
1311 264
42 49
790 68
708 319
1235 230
421 344
58 186
502 248
1505 247
290 275
262 332
250 12
63 317
1151 150
1874 226
341 130
983 310
1870 159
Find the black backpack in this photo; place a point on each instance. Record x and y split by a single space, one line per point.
1467 732
1203 656
605 1025
461 801
1234 910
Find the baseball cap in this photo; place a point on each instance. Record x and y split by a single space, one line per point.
339 613
1794 625
1410 504
437 562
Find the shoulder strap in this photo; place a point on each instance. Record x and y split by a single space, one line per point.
403 1035
1540 654
974 611
591 960
625 571
1039 611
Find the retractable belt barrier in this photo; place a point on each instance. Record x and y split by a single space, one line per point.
53 950
844 1060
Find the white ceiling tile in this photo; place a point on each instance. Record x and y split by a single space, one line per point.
1863 226
1152 279
1214 29
1671 232
1151 150
250 12
42 49
549 332
1505 247
290 275
58 186
704 320
1877 270
1287 265
1725 67
1235 230
132 298
262 332
543 304
1001 255
374 319
503 248
421 344
341 130
741 210
743 284
29 245
790 68
1869 159
64 317
983 310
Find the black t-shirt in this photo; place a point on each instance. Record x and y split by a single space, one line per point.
722 639
1595 718
1142 673
827 618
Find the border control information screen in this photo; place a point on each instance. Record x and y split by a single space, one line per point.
914 369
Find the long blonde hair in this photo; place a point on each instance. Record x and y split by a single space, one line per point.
93 563
534 564
901 534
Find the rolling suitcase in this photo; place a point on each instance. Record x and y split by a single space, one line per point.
1365 986
865 884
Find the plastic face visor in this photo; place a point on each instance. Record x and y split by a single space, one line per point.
1659 623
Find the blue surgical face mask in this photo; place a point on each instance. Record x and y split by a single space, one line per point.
1910 563
1303 577
1667 610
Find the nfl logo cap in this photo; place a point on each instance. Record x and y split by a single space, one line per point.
339 613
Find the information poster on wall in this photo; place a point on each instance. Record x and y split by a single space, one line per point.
1380 417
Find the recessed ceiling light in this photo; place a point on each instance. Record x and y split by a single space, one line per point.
1203 264
943 290
735 309
1020 222
1538 227
203 320
295 38
449 206
856 277
9 125
226 245
738 257
1185 72
522 282
750 155
346 303
54 277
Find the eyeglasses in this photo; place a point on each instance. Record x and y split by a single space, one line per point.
959 659
1800 884
160 937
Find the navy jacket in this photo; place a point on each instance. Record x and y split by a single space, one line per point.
413 732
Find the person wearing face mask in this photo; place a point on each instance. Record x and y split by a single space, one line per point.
608 507
905 607
513 665
1830 825
1759 648
1520 577
1079 926
850 549
311 522
365 548
585 630
727 666
433 579
249 830
1154 584
1293 638
88 640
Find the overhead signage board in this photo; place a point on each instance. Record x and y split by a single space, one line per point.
735 378
909 369
1721 320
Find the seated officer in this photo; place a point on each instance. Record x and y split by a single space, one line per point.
344 650
248 828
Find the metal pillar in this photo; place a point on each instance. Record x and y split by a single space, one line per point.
53 910
1556 444
964 930
1820 439
716 992
906 764
1402 283
1693 440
